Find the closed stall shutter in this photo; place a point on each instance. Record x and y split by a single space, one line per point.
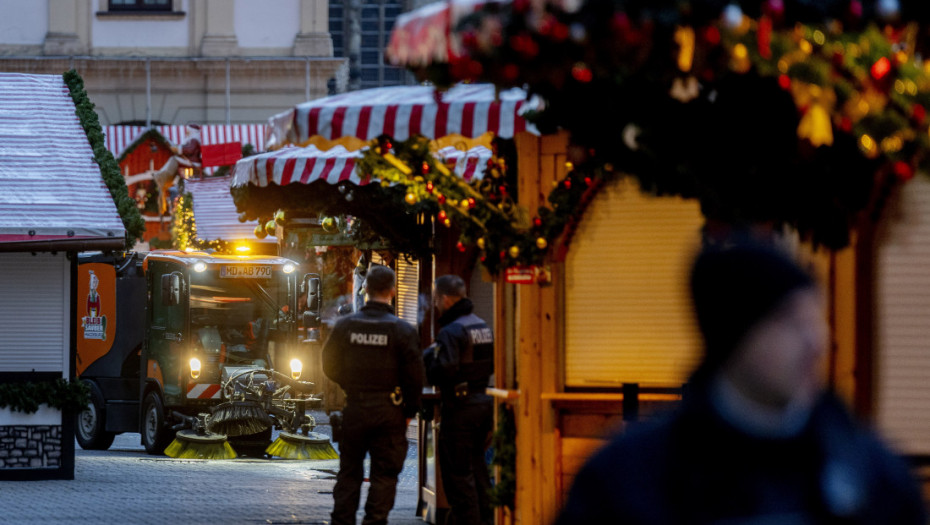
902 320
34 313
481 293
627 310
408 282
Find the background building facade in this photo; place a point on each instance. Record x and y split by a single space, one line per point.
178 61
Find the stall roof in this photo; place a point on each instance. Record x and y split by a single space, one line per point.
294 165
215 214
401 111
52 195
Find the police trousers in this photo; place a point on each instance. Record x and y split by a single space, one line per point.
377 427
463 437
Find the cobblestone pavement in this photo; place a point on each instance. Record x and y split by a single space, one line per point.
127 486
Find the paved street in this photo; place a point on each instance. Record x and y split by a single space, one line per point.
125 485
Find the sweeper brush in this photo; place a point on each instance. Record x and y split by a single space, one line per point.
312 445
238 418
188 444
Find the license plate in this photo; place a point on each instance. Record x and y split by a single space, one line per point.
247 272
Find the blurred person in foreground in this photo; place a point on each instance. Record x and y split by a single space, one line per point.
375 357
758 439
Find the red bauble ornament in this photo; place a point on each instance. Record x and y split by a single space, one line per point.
903 171
442 215
846 125
537 222
471 202
424 168
712 35
510 72
441 199
918 113
582 73
429 187
881 68
460 246
568 184
784 82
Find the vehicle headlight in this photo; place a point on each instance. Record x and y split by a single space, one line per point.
195 367
289 268
296 368
200 266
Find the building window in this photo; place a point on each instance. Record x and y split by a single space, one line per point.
376 19
140 5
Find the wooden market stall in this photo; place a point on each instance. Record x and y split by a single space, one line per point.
323 193
54 204
662 126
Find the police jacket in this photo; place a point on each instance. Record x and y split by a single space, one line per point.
373 351
693 467
463 351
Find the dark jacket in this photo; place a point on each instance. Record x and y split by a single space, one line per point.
693 467
463 350
374 351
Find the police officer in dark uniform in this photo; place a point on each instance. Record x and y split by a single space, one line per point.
460 362
375 358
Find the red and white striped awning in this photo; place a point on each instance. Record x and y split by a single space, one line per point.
294 165
118 138
401 111
426 35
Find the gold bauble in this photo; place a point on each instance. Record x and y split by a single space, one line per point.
410 198
329 224
541 243
514 251
260 232
447 223
480 243
270 226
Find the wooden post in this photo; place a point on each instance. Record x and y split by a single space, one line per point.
541 163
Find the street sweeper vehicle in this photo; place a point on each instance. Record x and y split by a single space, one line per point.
202 354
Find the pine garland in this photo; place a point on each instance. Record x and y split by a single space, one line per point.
503 442
59 393
109 169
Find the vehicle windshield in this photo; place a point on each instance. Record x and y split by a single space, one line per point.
237 318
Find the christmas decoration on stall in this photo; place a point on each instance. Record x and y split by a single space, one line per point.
640 85
109 168
184 229
57 393
484 209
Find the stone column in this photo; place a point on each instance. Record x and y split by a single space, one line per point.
352 41
64 17
219 39
314 38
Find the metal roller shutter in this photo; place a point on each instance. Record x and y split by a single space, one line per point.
902 320
627 312
34 312
408 297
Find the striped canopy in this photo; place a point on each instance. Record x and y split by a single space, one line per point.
293 165
401 111
118 138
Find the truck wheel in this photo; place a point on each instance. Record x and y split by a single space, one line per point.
91 423
155 434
